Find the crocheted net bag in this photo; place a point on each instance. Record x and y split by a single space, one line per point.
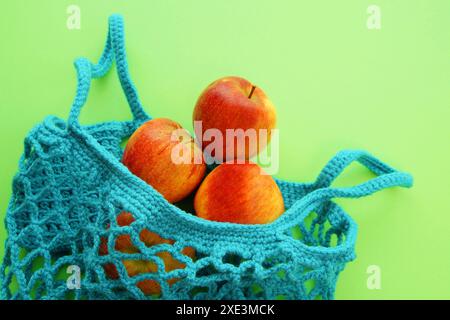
71 186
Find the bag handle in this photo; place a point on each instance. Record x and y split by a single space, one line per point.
86 71
386 177
345 158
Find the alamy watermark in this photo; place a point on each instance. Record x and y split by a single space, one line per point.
74 280
374 17
234 143
73 21
374 278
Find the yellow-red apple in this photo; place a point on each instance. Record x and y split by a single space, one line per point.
239 193
165 155
135 267
235 103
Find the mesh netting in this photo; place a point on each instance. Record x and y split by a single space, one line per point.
75 204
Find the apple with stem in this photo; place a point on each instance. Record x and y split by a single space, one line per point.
234 103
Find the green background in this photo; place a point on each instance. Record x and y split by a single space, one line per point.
336 85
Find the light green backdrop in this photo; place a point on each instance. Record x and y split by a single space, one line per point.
335 83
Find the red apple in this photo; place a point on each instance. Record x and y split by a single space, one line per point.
235 103
239 193
149 154
135 267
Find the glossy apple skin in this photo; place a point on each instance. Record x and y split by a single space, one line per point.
225 104
239 193
148 156
135 267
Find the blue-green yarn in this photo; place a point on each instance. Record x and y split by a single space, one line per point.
71 186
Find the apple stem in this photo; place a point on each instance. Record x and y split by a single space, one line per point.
251 92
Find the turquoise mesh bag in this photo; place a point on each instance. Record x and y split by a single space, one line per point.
71 186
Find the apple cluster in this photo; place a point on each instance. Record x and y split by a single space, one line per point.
234 191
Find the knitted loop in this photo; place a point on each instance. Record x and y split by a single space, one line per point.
395 179
343 159
323 192
86 71
386 176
